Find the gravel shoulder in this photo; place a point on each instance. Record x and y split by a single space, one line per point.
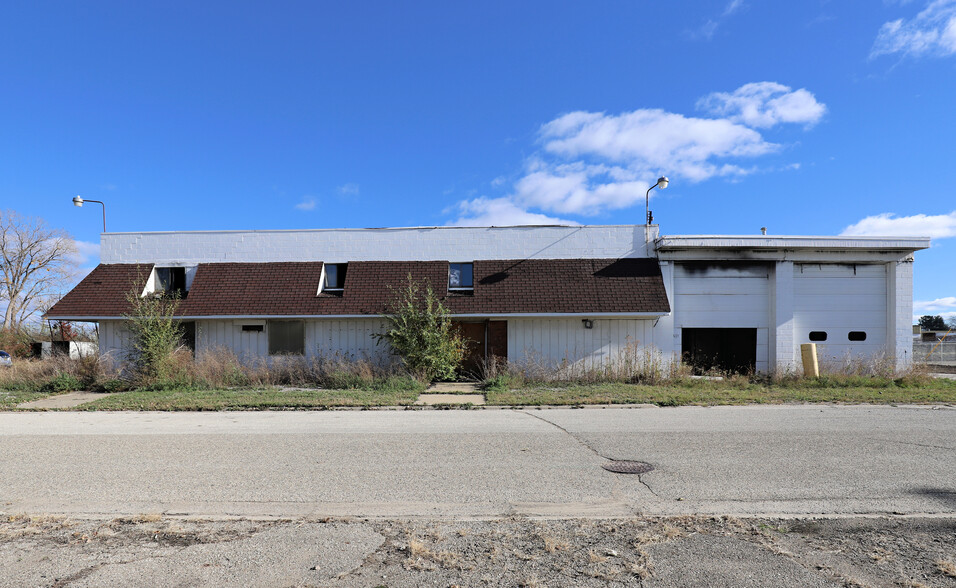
634 551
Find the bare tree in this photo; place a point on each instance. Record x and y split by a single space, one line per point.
37 263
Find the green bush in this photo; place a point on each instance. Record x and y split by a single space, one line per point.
155 336
62 382
419 330
342 380
114 386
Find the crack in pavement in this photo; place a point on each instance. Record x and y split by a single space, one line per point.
615 492
911 443
81 574
646 485
569 434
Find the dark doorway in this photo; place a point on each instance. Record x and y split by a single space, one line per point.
731 351
485 340
188 335
474 334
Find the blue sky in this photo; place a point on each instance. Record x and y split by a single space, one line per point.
804 117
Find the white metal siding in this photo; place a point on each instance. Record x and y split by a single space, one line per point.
837 299
114 339
228 334
348 338
553 342
724 296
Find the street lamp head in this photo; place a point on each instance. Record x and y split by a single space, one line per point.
78 201
661 181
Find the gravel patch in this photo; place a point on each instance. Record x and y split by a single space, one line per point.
634 551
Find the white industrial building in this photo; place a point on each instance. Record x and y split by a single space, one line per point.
579 295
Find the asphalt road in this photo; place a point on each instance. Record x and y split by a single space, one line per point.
793 460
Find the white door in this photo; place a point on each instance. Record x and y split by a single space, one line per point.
841 308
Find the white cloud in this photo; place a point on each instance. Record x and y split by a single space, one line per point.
944 307
932 32
733 6
349 189
308 203
653 138
590 162
919 225
707 30
764 105
945 304
500 212
87 252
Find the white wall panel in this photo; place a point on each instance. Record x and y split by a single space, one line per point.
228 335
114 340
559 341
352 338
721 296
837 299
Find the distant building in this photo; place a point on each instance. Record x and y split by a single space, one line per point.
571 295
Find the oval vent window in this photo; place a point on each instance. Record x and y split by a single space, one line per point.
857 336
818 335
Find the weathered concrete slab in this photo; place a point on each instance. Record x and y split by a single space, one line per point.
69 400
435 399
452 388
702 561
302 554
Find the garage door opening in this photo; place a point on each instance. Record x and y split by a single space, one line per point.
732 351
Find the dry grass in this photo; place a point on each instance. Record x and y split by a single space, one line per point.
220 368
633 363
947 567
553 544
422 557
18 526
217 369
595 557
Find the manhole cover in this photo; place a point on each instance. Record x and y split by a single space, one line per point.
627 467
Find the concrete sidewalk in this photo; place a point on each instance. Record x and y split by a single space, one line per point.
68 400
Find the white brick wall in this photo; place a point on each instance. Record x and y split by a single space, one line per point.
781 334
343 245
899 327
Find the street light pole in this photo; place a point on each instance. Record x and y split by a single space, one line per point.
78 201
662 182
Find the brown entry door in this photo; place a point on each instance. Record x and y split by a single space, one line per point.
474 334
484 340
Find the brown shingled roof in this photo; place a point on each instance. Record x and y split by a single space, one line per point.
501 287
103 292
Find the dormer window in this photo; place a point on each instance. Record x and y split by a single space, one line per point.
171 281
460 276
334 280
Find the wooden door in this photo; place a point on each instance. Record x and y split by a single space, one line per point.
474 334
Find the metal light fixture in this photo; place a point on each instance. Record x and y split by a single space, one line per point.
78 201
662 183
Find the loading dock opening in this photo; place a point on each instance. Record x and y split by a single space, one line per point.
732 351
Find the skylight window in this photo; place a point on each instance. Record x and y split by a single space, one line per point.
171 281
335 276
460 276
